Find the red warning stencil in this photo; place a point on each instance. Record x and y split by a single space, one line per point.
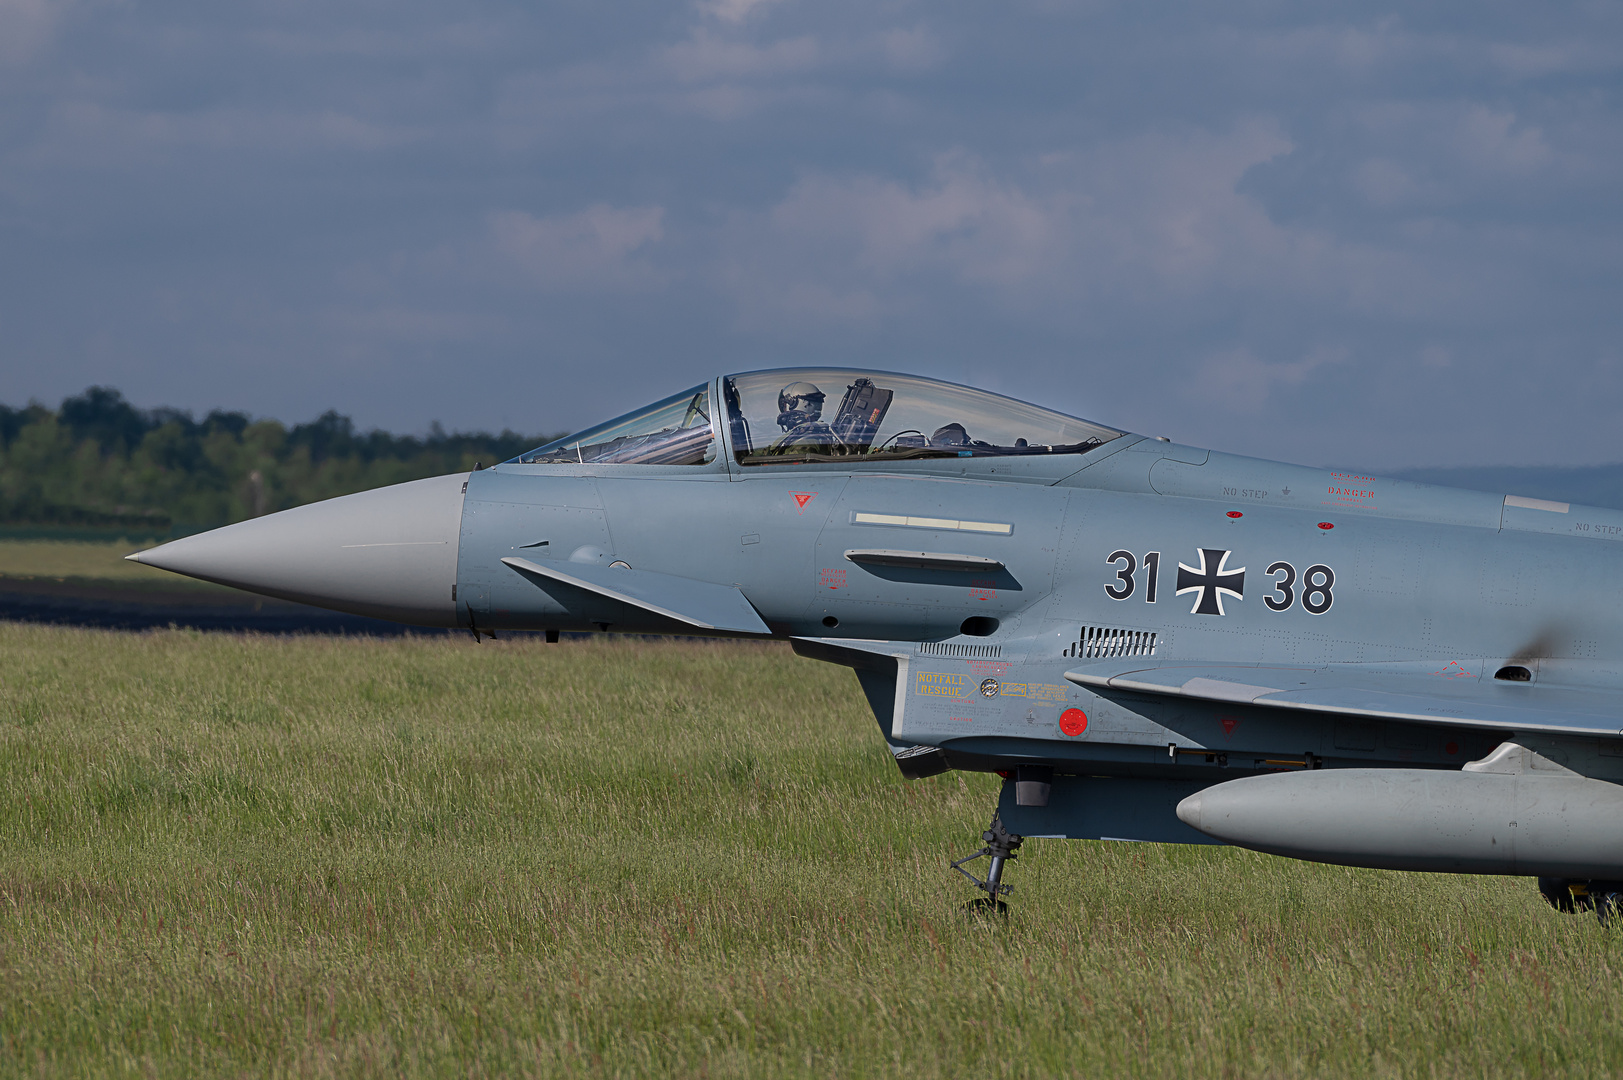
1229 724
803 497
1073 721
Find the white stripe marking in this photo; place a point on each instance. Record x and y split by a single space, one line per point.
998 528
1538 504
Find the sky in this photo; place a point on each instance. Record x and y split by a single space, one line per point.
1318 232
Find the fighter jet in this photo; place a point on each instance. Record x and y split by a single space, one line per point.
1147 641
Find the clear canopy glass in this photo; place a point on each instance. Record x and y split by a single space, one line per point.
674 431
838 415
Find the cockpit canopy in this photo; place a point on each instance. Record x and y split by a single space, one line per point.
830 414
674 431
827 415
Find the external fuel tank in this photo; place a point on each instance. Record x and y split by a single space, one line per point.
1513 812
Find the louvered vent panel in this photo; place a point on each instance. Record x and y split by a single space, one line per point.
949 648
1104 643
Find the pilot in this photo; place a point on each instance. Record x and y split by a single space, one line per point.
800 415
950 435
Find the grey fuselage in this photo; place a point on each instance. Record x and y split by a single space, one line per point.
1420 574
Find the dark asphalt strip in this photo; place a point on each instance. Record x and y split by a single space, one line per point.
115 611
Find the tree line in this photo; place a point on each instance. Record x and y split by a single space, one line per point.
98 462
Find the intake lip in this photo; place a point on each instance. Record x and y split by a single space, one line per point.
390 553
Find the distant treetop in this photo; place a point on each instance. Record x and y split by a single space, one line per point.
98 462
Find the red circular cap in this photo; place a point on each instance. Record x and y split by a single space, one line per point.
1073 721
1326 525
1235 513
1452 748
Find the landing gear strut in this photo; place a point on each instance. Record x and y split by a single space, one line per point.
1604 898
1001 846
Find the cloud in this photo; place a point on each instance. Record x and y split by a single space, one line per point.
1121 222
27 26
704 57
1241 382
1385 162
1384 182
1487 138
962 219
596 248
847 248
915 48
1534 61
734 11
90 127
1436 356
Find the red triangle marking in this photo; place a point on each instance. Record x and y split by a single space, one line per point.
803 497
1229 724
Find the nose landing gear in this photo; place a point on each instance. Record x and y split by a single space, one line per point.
1001 846
1604 898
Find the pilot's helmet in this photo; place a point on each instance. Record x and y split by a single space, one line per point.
799 403
950 435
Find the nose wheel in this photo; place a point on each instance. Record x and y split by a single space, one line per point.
1569 895
1001 846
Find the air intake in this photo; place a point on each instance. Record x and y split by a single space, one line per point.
1102 643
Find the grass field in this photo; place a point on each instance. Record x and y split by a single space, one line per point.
322 856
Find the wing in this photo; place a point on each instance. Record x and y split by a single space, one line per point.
1414 692
701 604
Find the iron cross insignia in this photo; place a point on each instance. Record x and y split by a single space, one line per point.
1212 580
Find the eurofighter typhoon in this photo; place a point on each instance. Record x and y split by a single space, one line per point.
1148 641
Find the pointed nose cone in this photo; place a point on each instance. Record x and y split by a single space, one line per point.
389 553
